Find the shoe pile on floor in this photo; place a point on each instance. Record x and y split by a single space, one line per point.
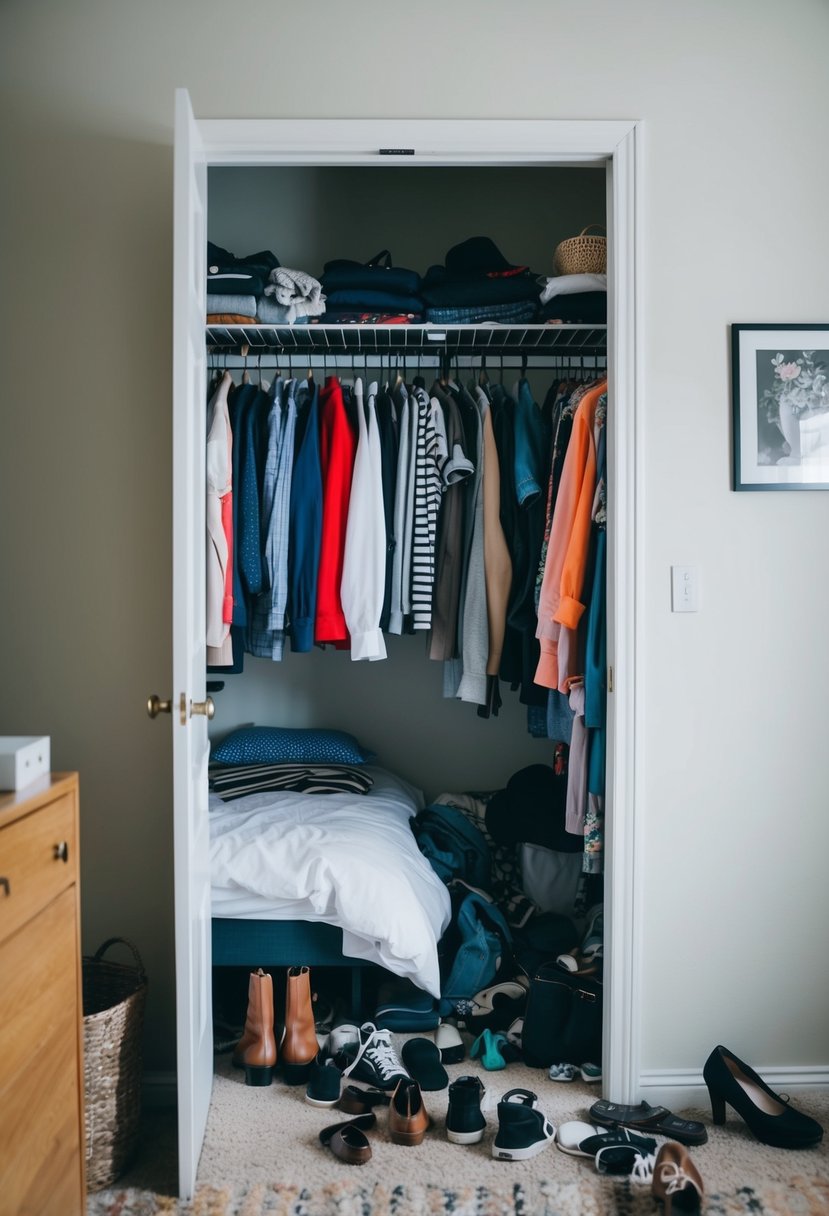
357 1069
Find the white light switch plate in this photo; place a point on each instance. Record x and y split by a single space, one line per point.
684 589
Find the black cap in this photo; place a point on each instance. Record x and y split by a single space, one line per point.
478 256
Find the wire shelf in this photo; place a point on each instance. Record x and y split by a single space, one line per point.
390 339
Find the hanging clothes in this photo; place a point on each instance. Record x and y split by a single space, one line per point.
403 517
387 426
465 677
305 522
363 579
431 456
267 626
566 554
449 555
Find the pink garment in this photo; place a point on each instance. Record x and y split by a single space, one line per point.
576 804
219 527
227 528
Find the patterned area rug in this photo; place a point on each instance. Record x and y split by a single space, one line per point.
594 1197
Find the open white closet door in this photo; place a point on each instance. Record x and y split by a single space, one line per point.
194 1031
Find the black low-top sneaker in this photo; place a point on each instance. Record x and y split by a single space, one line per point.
524 1131
465 1122
323 1083
374 1060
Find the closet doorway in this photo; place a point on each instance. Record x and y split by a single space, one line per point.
408 144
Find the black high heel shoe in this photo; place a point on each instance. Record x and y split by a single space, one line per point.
768 1115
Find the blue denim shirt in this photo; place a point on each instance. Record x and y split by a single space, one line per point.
529 445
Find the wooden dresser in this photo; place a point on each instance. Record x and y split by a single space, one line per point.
41 1006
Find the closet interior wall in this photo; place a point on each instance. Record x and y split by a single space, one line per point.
308 216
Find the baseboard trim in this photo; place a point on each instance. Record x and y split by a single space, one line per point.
158 1090
685 1086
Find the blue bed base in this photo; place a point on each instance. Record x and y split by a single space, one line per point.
285 943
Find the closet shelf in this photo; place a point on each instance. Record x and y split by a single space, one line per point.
380 339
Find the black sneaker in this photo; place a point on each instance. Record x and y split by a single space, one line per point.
324 1083
374 1060
465 1123
523 1130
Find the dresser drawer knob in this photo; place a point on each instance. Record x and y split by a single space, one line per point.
62 851
6 885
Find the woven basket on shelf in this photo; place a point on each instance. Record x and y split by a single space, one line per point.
114 995
581 254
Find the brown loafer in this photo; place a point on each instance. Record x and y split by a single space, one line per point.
357 1101
676 1180
348 1140
408 1119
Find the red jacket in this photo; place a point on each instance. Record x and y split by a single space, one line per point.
338 445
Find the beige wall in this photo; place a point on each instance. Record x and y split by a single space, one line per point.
734 98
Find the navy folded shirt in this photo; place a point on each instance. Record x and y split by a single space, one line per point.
228 275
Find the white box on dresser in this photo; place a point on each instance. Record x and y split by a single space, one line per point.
23 758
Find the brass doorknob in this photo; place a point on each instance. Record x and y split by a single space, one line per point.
205 707
156 706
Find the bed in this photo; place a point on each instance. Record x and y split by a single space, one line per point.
326 880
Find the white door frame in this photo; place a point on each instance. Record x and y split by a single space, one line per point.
194 1023
618 145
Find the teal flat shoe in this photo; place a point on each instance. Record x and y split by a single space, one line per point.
488 1047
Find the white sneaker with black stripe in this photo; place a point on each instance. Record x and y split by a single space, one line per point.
376 1062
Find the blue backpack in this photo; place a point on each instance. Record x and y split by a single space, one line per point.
454 847
475 947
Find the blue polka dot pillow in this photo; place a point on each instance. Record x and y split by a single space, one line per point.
284 745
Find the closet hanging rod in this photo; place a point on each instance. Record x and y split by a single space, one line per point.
292 363
412 339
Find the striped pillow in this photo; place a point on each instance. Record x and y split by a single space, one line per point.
234 781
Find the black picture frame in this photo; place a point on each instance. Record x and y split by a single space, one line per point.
780 406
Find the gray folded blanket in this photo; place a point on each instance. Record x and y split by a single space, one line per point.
294 289
269 313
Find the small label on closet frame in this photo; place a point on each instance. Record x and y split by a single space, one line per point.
397 151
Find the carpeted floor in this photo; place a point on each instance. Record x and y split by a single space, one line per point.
261 1156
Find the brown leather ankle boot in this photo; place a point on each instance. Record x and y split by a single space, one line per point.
299 1043
256 1050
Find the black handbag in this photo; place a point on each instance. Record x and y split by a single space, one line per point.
563 1021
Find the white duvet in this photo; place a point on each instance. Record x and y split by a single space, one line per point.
346 859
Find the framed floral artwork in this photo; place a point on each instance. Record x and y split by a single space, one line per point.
780 403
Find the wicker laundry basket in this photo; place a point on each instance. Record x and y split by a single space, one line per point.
114 995
581 254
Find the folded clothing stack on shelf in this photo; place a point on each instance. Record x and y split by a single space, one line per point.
575 299
371 293
256 290
234 285
477 285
